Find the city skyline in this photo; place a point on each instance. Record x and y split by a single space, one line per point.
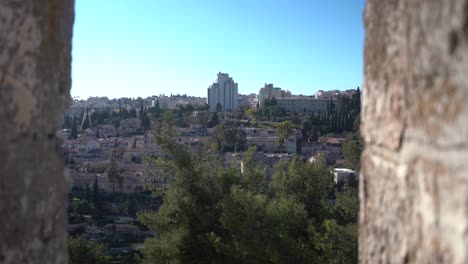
144 48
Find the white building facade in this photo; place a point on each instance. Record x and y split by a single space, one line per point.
269 92
303 104
223 91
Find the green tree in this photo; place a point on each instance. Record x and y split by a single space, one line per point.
145 121
212 214
156 111
74 130
243 217
88 193
214 121
352 148
258 226
270 109
308 183
132 113
270 102
157 105
284 130
306 127
289 221
219 107
338 244
253 176
347 206
67 123
169 118
95 195
356 124
83 251
81 206
356 102
228 137
116 123
94 117
331 109
132 207
124 114
114 173
103 116
252 114
314 135
142 110
188 214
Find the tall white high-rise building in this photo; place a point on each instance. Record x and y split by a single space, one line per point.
224 92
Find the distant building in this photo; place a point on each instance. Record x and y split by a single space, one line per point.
166 102
130 126
98 101
223 91
269 92
271 144
248 100
341 175
174 102
303 104
321 94
86 146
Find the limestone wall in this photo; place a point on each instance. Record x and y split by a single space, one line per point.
414 182
35 61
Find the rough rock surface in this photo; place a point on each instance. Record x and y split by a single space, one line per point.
35 80
414 182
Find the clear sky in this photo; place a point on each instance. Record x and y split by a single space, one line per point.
131 48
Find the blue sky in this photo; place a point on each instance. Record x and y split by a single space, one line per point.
131 48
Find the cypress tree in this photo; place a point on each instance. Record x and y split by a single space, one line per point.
66 121
74 131
157 105
95 191
141 109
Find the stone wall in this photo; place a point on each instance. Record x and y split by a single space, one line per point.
35 64
414 182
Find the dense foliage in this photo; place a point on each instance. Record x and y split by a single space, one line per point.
228 136
83 251
213 214
352 148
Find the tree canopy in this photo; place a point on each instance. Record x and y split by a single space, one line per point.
213 214
114 173
352 148
83 251
228 137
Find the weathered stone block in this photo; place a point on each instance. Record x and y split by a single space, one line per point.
414 182
35 79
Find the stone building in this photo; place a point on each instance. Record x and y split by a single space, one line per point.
321 94
271 144
270 92
303 104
